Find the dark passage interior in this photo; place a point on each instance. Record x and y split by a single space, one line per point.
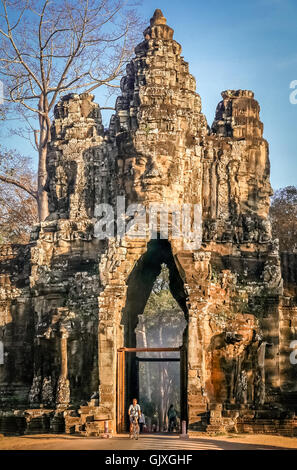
155 316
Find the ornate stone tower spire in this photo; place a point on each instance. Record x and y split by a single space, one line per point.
158 18
159 122
158 27
76 132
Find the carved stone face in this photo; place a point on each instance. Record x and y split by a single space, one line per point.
146 175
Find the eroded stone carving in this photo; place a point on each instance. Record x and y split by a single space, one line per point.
64 299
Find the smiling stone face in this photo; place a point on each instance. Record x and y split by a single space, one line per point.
160 155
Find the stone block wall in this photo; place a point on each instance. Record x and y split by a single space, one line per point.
16 325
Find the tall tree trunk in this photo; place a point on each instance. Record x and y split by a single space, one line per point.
160 401
42 176
142 332
167 390
162 385
44 138
146 364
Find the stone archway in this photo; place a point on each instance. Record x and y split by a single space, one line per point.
139 287
120 304
140 283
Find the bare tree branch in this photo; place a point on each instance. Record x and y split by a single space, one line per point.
32 193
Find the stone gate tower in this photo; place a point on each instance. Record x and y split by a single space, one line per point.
70 300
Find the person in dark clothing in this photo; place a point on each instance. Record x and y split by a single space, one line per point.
141 422
172 415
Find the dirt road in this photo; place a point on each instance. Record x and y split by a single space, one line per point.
148 442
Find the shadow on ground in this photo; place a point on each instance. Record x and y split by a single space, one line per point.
145 442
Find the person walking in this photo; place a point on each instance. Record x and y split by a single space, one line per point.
141 422
172 422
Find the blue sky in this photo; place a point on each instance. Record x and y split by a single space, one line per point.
240 44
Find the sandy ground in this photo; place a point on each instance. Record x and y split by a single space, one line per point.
149 442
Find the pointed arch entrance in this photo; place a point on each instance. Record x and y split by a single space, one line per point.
140 284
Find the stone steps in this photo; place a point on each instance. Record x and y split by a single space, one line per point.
94 429
89 422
